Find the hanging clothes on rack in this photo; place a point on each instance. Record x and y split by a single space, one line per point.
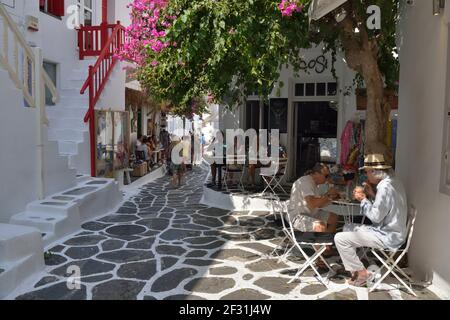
346 143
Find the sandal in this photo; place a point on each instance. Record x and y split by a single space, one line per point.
361 281
320 264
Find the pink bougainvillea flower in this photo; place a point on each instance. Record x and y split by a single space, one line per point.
147 30
288 7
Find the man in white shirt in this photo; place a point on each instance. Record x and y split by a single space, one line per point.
304 207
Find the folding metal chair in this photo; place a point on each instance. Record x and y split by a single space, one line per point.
234 165
318 241
388 260
272 177
279 210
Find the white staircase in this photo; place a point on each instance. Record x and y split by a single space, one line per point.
62 214
65 152
21 256
66 125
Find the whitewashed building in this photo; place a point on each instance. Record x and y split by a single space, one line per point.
46 187
424 136
313 88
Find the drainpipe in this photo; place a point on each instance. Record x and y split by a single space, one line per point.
39 100
104 24
104 11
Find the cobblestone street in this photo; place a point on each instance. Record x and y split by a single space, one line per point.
163 244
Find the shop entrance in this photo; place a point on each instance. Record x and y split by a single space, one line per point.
315 134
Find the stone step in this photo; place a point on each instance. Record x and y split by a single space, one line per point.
67 134
45 222
68 147
18 241
66 112
15 274
67 123
74 83
61 214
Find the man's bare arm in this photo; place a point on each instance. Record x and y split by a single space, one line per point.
317 202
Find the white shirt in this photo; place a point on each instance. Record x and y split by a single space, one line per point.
301 189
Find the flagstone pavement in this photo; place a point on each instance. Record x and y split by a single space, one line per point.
163 244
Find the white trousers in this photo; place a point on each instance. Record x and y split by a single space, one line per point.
348 241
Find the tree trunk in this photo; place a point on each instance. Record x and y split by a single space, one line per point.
378 109
361 56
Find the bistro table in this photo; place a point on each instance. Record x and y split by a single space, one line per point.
346 208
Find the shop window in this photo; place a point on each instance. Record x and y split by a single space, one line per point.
52 7
321 89
299 89
51 69
332 88
310 89
252 115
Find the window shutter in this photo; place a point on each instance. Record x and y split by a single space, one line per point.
56 7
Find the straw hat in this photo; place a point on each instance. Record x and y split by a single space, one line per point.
375 161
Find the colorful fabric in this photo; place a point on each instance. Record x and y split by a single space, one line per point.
346 142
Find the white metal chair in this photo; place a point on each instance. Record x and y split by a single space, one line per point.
235 164
318 241
279 210
388 260
273 176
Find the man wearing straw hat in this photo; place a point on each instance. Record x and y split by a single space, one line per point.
388 213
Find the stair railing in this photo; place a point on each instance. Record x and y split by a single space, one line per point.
25 68
98 76
19 61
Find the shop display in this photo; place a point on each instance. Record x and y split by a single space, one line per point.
111 142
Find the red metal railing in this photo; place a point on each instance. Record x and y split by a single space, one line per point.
97 79
92 39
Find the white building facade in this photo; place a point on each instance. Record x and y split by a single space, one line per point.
424 137
47 191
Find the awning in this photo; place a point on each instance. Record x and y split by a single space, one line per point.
320 8
134 85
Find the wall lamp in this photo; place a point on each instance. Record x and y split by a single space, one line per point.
438 6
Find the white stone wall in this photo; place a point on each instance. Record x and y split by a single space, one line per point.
423 86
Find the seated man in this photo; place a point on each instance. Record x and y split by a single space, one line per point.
142 148
305 204
388 213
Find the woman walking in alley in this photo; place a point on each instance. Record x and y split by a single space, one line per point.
177 163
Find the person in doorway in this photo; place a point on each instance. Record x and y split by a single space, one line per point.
142 149
388 213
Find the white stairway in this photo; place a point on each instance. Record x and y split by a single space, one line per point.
70 199
62 214
22 247
66 125
21 256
